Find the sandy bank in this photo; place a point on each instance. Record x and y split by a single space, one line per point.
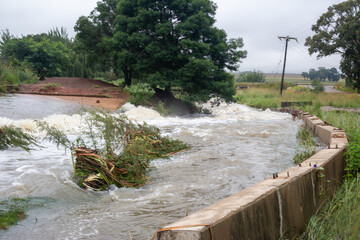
108 103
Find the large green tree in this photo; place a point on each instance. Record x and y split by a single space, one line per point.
94 33
175 44
338 31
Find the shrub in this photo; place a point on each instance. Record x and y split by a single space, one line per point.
317 86
160 108
140 94
306 145
254 76
353 156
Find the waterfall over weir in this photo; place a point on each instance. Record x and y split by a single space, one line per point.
233 148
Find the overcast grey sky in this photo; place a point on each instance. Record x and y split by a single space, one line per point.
258 22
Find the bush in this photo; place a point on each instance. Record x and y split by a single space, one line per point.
10 75
140 94
353 156
254 76
317 86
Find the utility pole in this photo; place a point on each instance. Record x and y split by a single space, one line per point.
287 39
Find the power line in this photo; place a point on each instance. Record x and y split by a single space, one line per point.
304 53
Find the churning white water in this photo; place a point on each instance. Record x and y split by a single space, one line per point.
233 148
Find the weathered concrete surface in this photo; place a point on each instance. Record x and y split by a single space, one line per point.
312 122
274 207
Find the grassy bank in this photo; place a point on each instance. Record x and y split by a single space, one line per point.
340 216
14 75
267 96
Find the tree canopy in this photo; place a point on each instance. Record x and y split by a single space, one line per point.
44 55
322 74
166 44
338 31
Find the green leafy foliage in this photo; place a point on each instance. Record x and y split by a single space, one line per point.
11 217
120 150
45 56
11 75
93 35
317 86
322 74
168 44
175 53
254 76
353 156
140 94
13 209
338 32
15 137
306 145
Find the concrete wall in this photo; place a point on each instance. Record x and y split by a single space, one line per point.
274 207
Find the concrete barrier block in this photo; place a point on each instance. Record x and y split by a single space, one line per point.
324 133
305 116
312 122
338 139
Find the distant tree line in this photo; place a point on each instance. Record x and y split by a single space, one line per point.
322 74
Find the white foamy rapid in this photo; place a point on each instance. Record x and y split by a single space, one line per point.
232 148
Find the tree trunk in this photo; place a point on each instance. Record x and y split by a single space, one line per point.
127 76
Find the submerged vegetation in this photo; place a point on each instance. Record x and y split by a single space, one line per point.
13 210
113 150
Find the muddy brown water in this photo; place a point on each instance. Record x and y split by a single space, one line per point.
233 148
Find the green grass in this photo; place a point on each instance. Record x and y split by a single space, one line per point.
306 145
268 96
15 75
49 86
292 78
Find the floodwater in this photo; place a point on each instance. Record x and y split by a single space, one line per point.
233 148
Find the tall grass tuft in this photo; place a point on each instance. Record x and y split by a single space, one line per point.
15 75
339 218
306 145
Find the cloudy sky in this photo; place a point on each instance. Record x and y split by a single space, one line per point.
258 22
